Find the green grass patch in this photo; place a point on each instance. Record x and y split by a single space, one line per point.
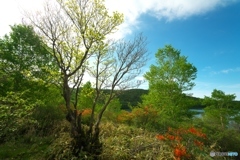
25 148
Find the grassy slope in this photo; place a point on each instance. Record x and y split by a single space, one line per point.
124 142
119 142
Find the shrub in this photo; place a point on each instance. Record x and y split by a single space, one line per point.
86 115
125 142
47 118
186 143
15 115
125 117
222 140
144 117
60 147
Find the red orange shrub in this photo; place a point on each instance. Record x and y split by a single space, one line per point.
85 115
87 112
124 116
141 117
180 151
84 112
183 140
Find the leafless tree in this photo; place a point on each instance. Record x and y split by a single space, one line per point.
117 68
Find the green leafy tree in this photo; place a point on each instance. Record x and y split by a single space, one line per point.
219 113
76 31
86 96
26 71
219 108
168 79
24 61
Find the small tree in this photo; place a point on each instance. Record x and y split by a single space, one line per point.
172 75
76 31
86 96
219 108
219 112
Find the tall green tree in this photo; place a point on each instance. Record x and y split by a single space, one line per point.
24 60
26 83
168 79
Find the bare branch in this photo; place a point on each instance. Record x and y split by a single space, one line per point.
116 66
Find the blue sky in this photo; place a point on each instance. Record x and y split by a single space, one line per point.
211 42
206 31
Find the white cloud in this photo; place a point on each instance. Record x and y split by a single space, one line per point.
161 9
10 10
230 70
226 71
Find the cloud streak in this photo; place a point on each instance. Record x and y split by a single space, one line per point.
168 10
227 71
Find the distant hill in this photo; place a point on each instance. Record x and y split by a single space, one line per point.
131 97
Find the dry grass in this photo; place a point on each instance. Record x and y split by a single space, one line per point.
125 143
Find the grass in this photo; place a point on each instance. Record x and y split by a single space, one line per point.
125 142
120 142
20 149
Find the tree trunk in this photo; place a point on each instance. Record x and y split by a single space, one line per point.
85 142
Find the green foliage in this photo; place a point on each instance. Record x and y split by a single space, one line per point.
113 110
86 96
146 117
28 94
47 117
24 60
124 142
172 75
131 97
114 106
142 117
219 100
228 140
222 140
219 109
15 115
19 149
60 148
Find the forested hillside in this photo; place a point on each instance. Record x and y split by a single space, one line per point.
131 97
